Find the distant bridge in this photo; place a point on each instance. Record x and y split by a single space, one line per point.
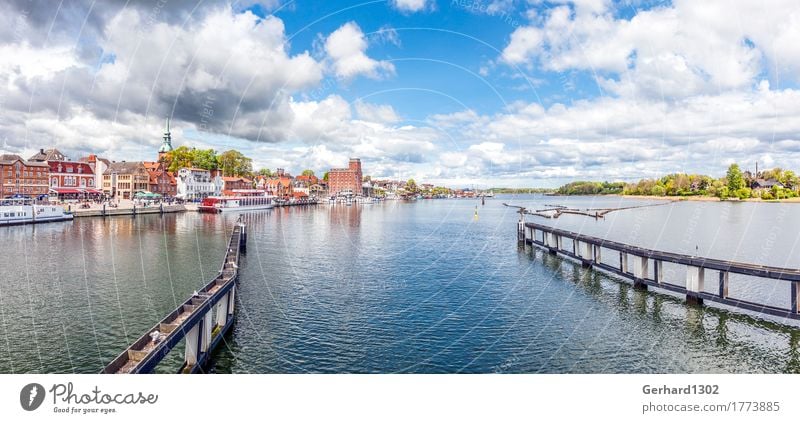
202 320
635 263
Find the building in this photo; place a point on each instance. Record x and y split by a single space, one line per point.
20 177
765 184
306 180
196 184
122 180
166 144
231 183
72 179
99 167
300 187
345 181
280 186
48 155
318 191
160 181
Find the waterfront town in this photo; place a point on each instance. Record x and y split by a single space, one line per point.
187 175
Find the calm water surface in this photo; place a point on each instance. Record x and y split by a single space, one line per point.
398 287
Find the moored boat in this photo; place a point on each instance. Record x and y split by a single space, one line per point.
18 211
239 203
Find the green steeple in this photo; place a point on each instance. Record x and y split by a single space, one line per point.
166 146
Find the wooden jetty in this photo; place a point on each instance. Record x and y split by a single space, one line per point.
645 267
202 320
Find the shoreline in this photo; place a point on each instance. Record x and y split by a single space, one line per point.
703 198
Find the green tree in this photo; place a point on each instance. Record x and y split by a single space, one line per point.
325 176
234 163
411 186
788 179
204 159
179 158
735 179
264 172
308 172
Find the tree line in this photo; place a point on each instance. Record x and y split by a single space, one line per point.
735 184
231 162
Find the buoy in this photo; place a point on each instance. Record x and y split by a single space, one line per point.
476 212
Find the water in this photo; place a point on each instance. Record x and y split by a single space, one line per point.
396 287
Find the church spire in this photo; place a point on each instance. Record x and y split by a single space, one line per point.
166 146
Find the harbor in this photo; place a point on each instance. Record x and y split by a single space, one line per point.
319 291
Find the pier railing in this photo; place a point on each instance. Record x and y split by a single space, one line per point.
202 320
635 263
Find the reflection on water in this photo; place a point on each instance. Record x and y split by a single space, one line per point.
394 287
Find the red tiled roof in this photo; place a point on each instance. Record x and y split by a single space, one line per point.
85 168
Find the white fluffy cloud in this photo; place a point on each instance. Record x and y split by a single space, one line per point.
346 47
381 113
410 5
678 50
236 66
615 138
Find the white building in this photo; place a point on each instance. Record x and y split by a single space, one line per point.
195 184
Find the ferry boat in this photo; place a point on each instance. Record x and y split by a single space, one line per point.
236 203
18 211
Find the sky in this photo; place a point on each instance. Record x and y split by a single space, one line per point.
464 93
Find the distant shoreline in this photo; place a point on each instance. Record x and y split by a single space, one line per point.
704 198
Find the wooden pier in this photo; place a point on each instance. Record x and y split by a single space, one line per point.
645 267
202 320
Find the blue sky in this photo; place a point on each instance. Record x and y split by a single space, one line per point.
483 93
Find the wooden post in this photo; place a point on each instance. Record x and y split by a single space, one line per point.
192 350
795 294
222 311
657 271
695 280
723 284
640 270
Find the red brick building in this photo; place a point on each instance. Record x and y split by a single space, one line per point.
159 180
18 176
346 180
230 183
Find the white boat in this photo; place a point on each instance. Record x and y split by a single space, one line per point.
236 203
18 211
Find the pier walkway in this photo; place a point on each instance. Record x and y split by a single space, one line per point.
636 263
202 320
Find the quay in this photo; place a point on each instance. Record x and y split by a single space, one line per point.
202 320
635 263
129 211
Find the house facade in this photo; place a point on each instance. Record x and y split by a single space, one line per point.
122 180
346 180
231 183
196 184
23 177
67 175
99 167
161 181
